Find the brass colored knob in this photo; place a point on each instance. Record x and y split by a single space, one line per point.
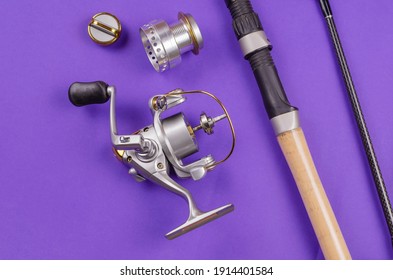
104 29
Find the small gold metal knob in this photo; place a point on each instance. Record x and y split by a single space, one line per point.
104 28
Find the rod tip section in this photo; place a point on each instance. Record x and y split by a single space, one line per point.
325 6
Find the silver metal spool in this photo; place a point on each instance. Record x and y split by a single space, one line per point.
180 135
164 44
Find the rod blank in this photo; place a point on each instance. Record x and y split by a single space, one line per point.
361 123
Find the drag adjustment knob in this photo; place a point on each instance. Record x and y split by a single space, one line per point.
81 94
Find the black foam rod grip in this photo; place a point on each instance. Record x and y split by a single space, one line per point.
82 94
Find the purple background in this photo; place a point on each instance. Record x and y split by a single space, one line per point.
64 196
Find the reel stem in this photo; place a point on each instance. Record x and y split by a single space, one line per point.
207 123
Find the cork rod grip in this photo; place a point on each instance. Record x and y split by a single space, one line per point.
294 146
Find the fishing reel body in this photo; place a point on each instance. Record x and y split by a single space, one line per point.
151 152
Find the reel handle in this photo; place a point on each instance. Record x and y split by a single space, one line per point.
82 94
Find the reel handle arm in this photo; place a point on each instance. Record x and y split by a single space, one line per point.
87 93
123 142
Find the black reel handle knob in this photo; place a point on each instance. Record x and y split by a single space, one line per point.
82 94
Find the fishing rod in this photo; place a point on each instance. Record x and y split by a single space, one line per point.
285 120
357 110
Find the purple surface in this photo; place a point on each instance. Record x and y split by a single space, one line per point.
64 196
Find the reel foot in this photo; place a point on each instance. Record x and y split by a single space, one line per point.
199 220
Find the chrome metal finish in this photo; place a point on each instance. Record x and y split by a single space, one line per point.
199 219
123 141
180 169
285 122
157 171
212 165
151 152
164 44
207 123
176 131
254 41
137 177
164 102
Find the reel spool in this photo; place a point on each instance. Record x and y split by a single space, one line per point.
151 152
165 44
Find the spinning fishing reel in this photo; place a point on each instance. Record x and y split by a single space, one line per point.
150 153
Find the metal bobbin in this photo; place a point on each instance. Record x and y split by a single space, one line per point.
164 44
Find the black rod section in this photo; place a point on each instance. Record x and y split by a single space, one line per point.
245 23
357 110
